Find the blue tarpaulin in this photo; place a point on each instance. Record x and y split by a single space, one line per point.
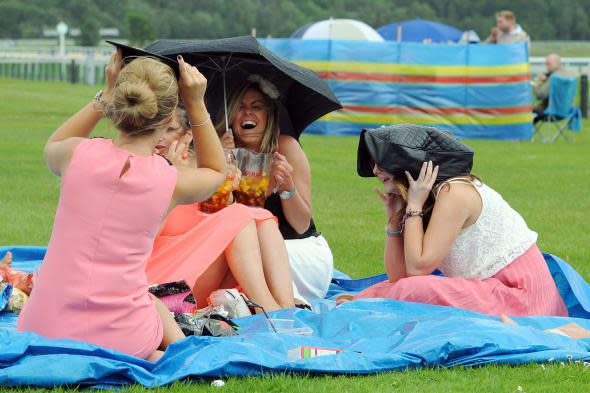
378 335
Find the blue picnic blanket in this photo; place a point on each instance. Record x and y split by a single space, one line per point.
377 334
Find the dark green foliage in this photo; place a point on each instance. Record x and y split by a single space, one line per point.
140 29
89 33
542 19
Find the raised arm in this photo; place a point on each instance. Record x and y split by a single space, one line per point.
291 173
198 182
453 208
61 145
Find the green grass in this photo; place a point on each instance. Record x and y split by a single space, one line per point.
563 48
547 183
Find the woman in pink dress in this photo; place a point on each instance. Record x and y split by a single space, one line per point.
238 245
92 284
439 216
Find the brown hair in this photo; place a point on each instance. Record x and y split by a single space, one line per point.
508 15
144 98
270 140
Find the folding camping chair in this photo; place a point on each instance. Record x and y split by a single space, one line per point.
560 112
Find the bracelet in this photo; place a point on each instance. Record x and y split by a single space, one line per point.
98 98
402 224
413 213
287 194
202 123
394 234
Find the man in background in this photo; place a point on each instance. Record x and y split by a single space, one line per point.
506 30
541 84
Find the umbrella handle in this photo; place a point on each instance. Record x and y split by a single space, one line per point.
225 101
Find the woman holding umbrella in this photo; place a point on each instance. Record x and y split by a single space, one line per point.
253 113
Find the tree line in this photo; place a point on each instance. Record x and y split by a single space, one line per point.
145 20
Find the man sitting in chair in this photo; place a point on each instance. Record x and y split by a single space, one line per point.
541 84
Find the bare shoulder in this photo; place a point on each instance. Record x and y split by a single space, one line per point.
460 195
288 144
290 148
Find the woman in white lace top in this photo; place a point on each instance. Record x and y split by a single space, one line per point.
439 216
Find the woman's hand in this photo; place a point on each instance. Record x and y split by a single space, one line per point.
420 188
178 151
112 71
282 172
393 203
227 140
191 85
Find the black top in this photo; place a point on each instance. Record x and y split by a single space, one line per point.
273 204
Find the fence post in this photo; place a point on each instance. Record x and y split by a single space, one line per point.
73 71
584 95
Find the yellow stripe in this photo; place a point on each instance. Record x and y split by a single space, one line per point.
429 119
408 69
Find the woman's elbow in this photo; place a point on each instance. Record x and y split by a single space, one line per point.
302 227
420 269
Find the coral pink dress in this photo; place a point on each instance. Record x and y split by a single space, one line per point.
92 284
191 241
494 267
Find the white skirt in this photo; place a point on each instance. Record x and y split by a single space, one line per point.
312 266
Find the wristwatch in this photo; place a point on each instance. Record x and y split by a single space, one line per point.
287 194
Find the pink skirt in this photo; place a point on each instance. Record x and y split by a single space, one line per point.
525 287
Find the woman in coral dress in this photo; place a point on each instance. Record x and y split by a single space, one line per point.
238 245
92 284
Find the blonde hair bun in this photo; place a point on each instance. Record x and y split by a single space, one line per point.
145 97
138 102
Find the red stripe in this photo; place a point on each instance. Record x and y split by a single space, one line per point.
394 78
438 111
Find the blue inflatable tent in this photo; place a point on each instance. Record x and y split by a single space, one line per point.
419 30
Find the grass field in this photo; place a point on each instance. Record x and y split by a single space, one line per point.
547 183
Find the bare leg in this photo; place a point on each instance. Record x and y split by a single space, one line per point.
245 262
275 263
344 299
155 356
7 260
210 280
572 330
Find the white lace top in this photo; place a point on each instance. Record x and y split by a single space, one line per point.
497 238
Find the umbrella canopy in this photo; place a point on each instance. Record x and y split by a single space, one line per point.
419 30
228 62
338 29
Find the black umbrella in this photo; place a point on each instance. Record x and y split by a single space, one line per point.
228 62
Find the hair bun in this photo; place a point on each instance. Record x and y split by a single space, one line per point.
138 101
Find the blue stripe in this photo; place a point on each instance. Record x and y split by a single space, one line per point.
470 131
399 53
437 95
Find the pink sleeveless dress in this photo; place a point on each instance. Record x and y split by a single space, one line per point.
92 284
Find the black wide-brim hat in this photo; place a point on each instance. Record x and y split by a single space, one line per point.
404 147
